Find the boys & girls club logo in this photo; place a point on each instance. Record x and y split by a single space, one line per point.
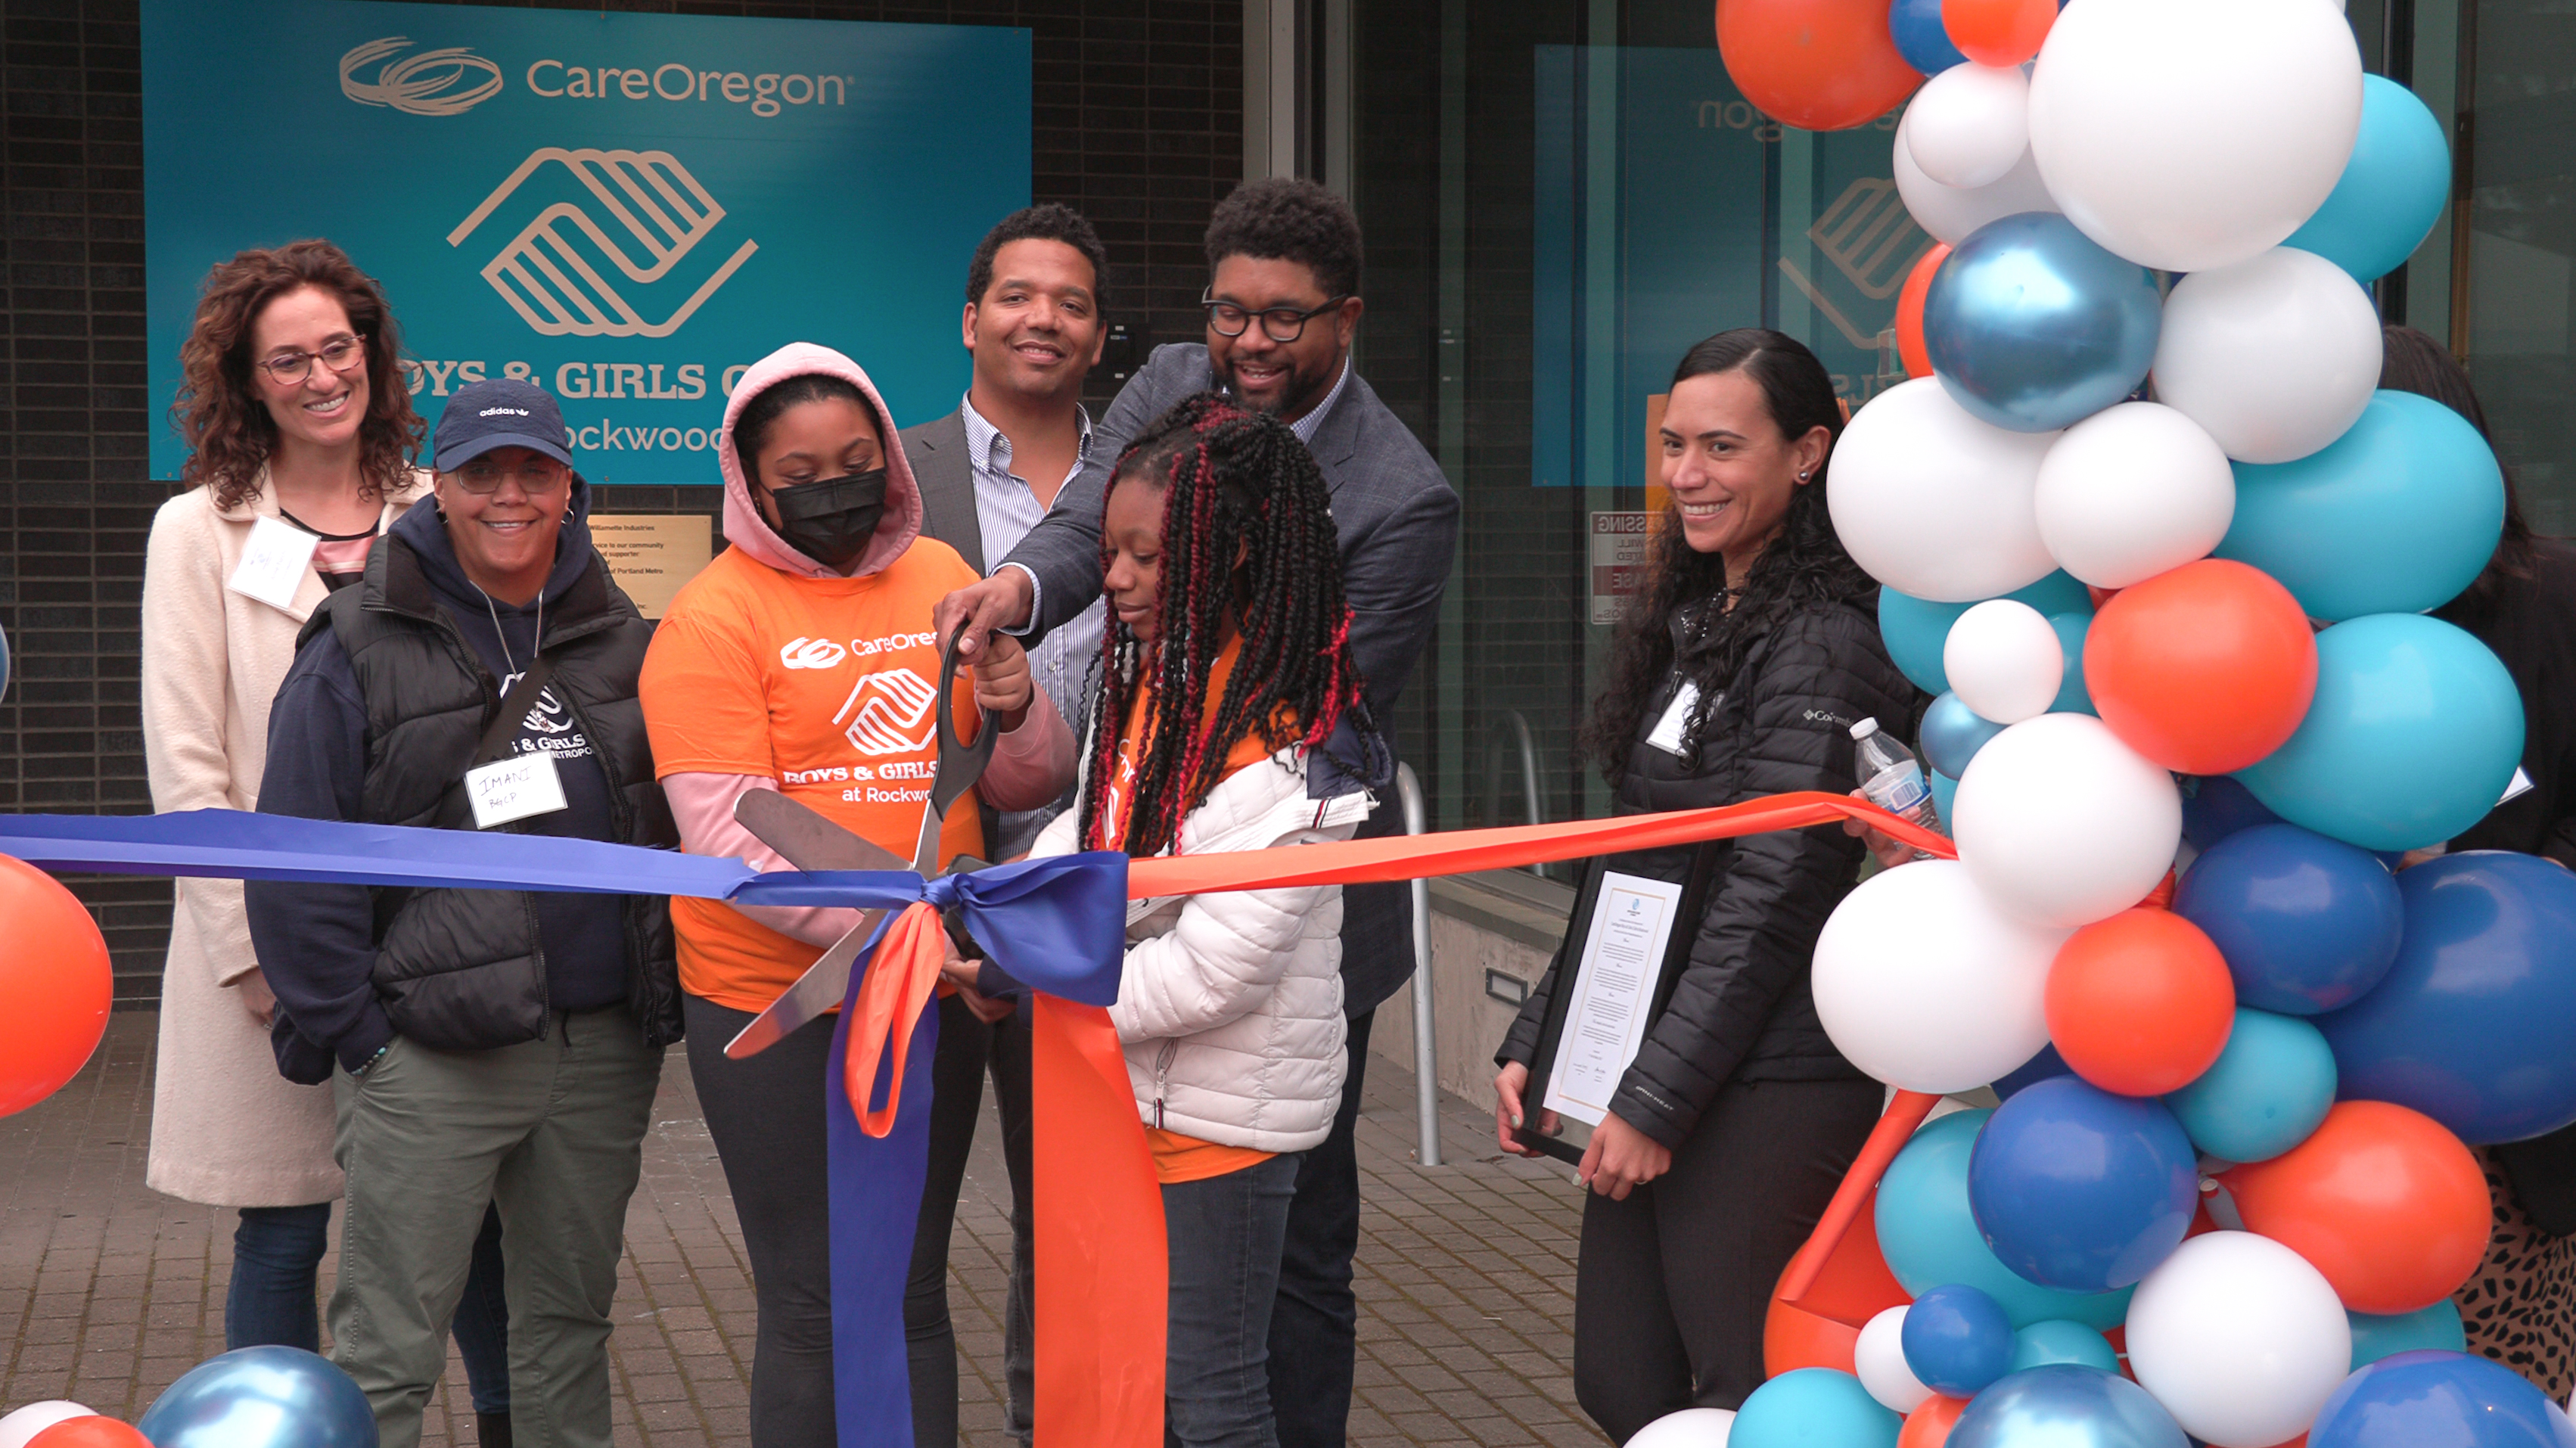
555 271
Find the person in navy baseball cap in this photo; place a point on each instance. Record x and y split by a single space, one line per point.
503 412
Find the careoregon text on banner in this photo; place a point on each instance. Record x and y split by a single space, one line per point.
625 209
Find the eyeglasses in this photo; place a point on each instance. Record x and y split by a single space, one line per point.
340 354
535 476
1279 324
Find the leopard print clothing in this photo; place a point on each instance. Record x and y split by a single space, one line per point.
2520 1309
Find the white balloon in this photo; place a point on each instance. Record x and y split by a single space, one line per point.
2239 1338
2131 492
2004 661
35 1418
2274 357
1935 503
1880 1358
2061 824
1924 984
1689 1428
2192 134
1952 212
1970 124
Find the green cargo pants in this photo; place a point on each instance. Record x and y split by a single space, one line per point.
552 1131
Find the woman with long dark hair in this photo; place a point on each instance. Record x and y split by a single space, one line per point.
1740 675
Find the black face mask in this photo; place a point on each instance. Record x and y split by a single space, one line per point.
830 520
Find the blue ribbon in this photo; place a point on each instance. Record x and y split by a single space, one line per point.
876 1187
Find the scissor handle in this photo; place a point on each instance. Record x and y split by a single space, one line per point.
961 763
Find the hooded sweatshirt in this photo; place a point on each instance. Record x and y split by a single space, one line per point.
320 718
774 671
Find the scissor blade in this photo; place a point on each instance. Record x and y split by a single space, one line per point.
817 991
807 839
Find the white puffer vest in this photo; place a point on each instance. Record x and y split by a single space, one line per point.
1231 1005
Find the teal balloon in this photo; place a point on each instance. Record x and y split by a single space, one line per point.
1952 734
1929 1237
2412 736
2032 326
1945 790
2071 628
2436 1328
261 1397
2059 1341
2396 516
1812 1408
1915 629
2392 189
2064 1406
2270 1088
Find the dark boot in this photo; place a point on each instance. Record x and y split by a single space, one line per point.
492 1430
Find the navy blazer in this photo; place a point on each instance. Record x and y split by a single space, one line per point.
1397 520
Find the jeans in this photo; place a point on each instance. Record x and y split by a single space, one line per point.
552 1131
1314 1330
277 1255
1226 1233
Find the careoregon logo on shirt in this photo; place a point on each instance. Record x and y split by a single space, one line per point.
804 653
888 713
445 82
553 272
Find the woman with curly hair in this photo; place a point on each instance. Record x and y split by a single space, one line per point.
1740 675
1226 715
300 434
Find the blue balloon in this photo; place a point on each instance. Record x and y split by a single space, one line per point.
261 1397
2032 326
1929 1236
2072 696
2269 1089
2392 189
2218 805
1945 793
2044 1343
2307 923
2413 735
1915 630
2434 1329
1952 734
1810 1406
2080 1190
2470 1025
1957 1339
1920 37
4 662
2433 1400
2045 1065
2396 516
2065 1406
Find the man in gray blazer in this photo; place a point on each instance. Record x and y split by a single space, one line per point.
1283 307
988 472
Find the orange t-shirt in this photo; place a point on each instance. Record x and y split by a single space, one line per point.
1179 1158
825 685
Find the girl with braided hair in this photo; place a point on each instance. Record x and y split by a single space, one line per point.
1226 716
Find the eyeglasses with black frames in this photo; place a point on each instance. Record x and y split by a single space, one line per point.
1279 324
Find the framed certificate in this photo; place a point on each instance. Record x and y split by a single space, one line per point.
1624 948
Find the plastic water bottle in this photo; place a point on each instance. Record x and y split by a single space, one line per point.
1892 778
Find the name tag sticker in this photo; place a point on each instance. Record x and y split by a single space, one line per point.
514 789
2520 786
1667 735
273 563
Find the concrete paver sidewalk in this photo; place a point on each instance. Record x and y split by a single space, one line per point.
108 1291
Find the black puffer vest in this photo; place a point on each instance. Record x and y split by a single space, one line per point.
463 969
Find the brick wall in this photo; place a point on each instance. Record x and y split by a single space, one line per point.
1138 122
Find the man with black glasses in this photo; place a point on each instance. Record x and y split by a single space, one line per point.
1283 307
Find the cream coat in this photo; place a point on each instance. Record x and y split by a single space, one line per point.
1230 1008
227 1130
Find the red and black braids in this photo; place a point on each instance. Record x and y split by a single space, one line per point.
1236 484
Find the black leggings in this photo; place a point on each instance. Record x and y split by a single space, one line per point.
1674 1283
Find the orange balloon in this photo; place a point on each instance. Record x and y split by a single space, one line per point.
2140 1004
1819 65
1998 32
54 986
1929 1425
95 1431
1910 347
2205 669
2384 1201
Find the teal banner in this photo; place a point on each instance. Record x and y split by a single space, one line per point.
625 209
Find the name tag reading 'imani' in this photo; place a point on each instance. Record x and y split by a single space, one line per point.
513 789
